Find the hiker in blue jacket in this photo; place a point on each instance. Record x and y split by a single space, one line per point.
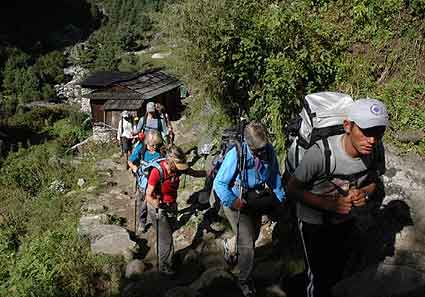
147 152
263 192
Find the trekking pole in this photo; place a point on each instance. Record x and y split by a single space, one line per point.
241 167
135 203
135 215
157 238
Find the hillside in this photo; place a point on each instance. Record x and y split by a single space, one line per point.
259 58
265 56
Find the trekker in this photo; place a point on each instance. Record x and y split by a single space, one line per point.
325 203
147 152
124 133
134 131
164 115
162 202
152 121
260 181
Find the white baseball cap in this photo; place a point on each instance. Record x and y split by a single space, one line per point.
368 113
150 107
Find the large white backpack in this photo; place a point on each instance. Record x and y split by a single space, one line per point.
322 116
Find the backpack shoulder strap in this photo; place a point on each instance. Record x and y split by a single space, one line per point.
156 164
160 124
145 117
237 145
327 153
143 151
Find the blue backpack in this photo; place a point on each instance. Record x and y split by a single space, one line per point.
144 171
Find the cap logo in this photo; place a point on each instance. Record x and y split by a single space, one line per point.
375 109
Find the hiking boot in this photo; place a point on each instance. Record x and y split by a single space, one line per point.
167 270
247 288
228 257
143 228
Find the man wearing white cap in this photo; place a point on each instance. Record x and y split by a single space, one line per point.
152 121
325 203
124 133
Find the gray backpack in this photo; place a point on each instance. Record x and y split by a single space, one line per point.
321 117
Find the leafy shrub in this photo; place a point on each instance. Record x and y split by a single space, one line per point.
265 56
40 251
39 118
28 169
418 7
7 254
55 263
259 56
68 132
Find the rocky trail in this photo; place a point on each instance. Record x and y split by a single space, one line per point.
391 261
108 221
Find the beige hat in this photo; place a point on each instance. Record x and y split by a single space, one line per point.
177 155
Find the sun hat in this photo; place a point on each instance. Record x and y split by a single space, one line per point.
177 155
368 113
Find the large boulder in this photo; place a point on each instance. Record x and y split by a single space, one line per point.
382 280
134 269
115 244
213 277
108 239
391 255
181 292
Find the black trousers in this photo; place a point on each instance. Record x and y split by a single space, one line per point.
326 250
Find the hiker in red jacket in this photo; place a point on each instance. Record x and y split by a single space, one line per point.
161 195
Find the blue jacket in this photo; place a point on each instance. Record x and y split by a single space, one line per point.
258 173
136 155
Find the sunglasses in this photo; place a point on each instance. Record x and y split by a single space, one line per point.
376 132
259 152
154 145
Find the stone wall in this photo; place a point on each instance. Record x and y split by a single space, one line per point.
72 91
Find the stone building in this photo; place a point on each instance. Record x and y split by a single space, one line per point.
114 92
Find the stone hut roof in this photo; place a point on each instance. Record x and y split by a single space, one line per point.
104 79
145 85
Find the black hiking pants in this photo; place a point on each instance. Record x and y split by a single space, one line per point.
326 251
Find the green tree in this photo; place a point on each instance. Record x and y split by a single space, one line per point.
257 55
49 68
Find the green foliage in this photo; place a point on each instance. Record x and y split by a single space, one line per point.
403 100
265 56
49 67
41 253
257 55
127 28
418 7
41 119
68 132
44 267
7 254
27 169
25 81
20 82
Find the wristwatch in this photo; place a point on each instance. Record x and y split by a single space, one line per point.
366 195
